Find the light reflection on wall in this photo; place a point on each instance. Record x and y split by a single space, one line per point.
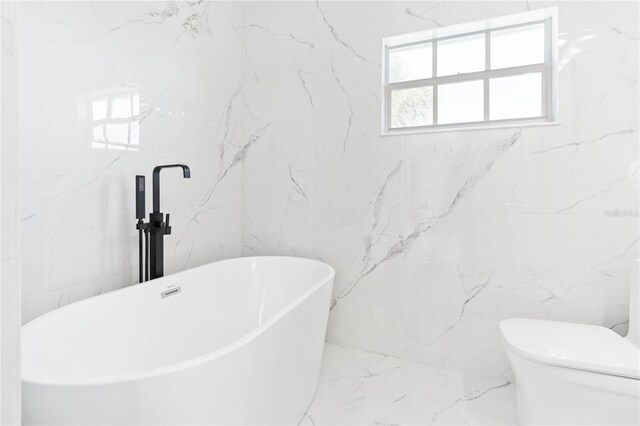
115 118
570 51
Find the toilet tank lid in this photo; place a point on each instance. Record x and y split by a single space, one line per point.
579 346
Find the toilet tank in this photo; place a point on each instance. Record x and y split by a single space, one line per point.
634 303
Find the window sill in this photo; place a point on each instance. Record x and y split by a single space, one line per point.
470 128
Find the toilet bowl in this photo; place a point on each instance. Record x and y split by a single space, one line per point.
575 373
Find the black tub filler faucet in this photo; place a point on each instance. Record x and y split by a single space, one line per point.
154 230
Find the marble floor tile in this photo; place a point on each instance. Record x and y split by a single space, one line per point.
360 387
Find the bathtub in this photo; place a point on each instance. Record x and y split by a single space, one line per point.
233 342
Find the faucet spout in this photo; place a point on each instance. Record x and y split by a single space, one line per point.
186 173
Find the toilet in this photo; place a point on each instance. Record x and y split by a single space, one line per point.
574 374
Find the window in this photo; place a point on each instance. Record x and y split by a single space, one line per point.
487 73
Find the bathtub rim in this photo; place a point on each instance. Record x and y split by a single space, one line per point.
111 379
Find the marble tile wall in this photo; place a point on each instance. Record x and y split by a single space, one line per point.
437 237
108 90
10 303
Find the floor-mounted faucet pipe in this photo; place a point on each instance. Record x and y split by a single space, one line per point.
146 254
140 269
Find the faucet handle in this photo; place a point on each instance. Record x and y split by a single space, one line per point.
167 228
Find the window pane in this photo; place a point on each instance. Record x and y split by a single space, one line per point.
519 96
461 102
410 63
461 55
412 107
517 46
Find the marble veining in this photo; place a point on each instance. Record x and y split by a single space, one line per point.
631 129
337 38
359 387
405 243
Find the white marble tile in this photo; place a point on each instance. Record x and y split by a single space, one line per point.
359 387
10 297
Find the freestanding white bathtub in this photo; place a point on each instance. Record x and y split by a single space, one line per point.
233 342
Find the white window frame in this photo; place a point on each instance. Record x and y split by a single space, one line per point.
548 70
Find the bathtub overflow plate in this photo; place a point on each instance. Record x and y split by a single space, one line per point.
170 292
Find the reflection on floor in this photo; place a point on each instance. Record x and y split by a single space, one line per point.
360 387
